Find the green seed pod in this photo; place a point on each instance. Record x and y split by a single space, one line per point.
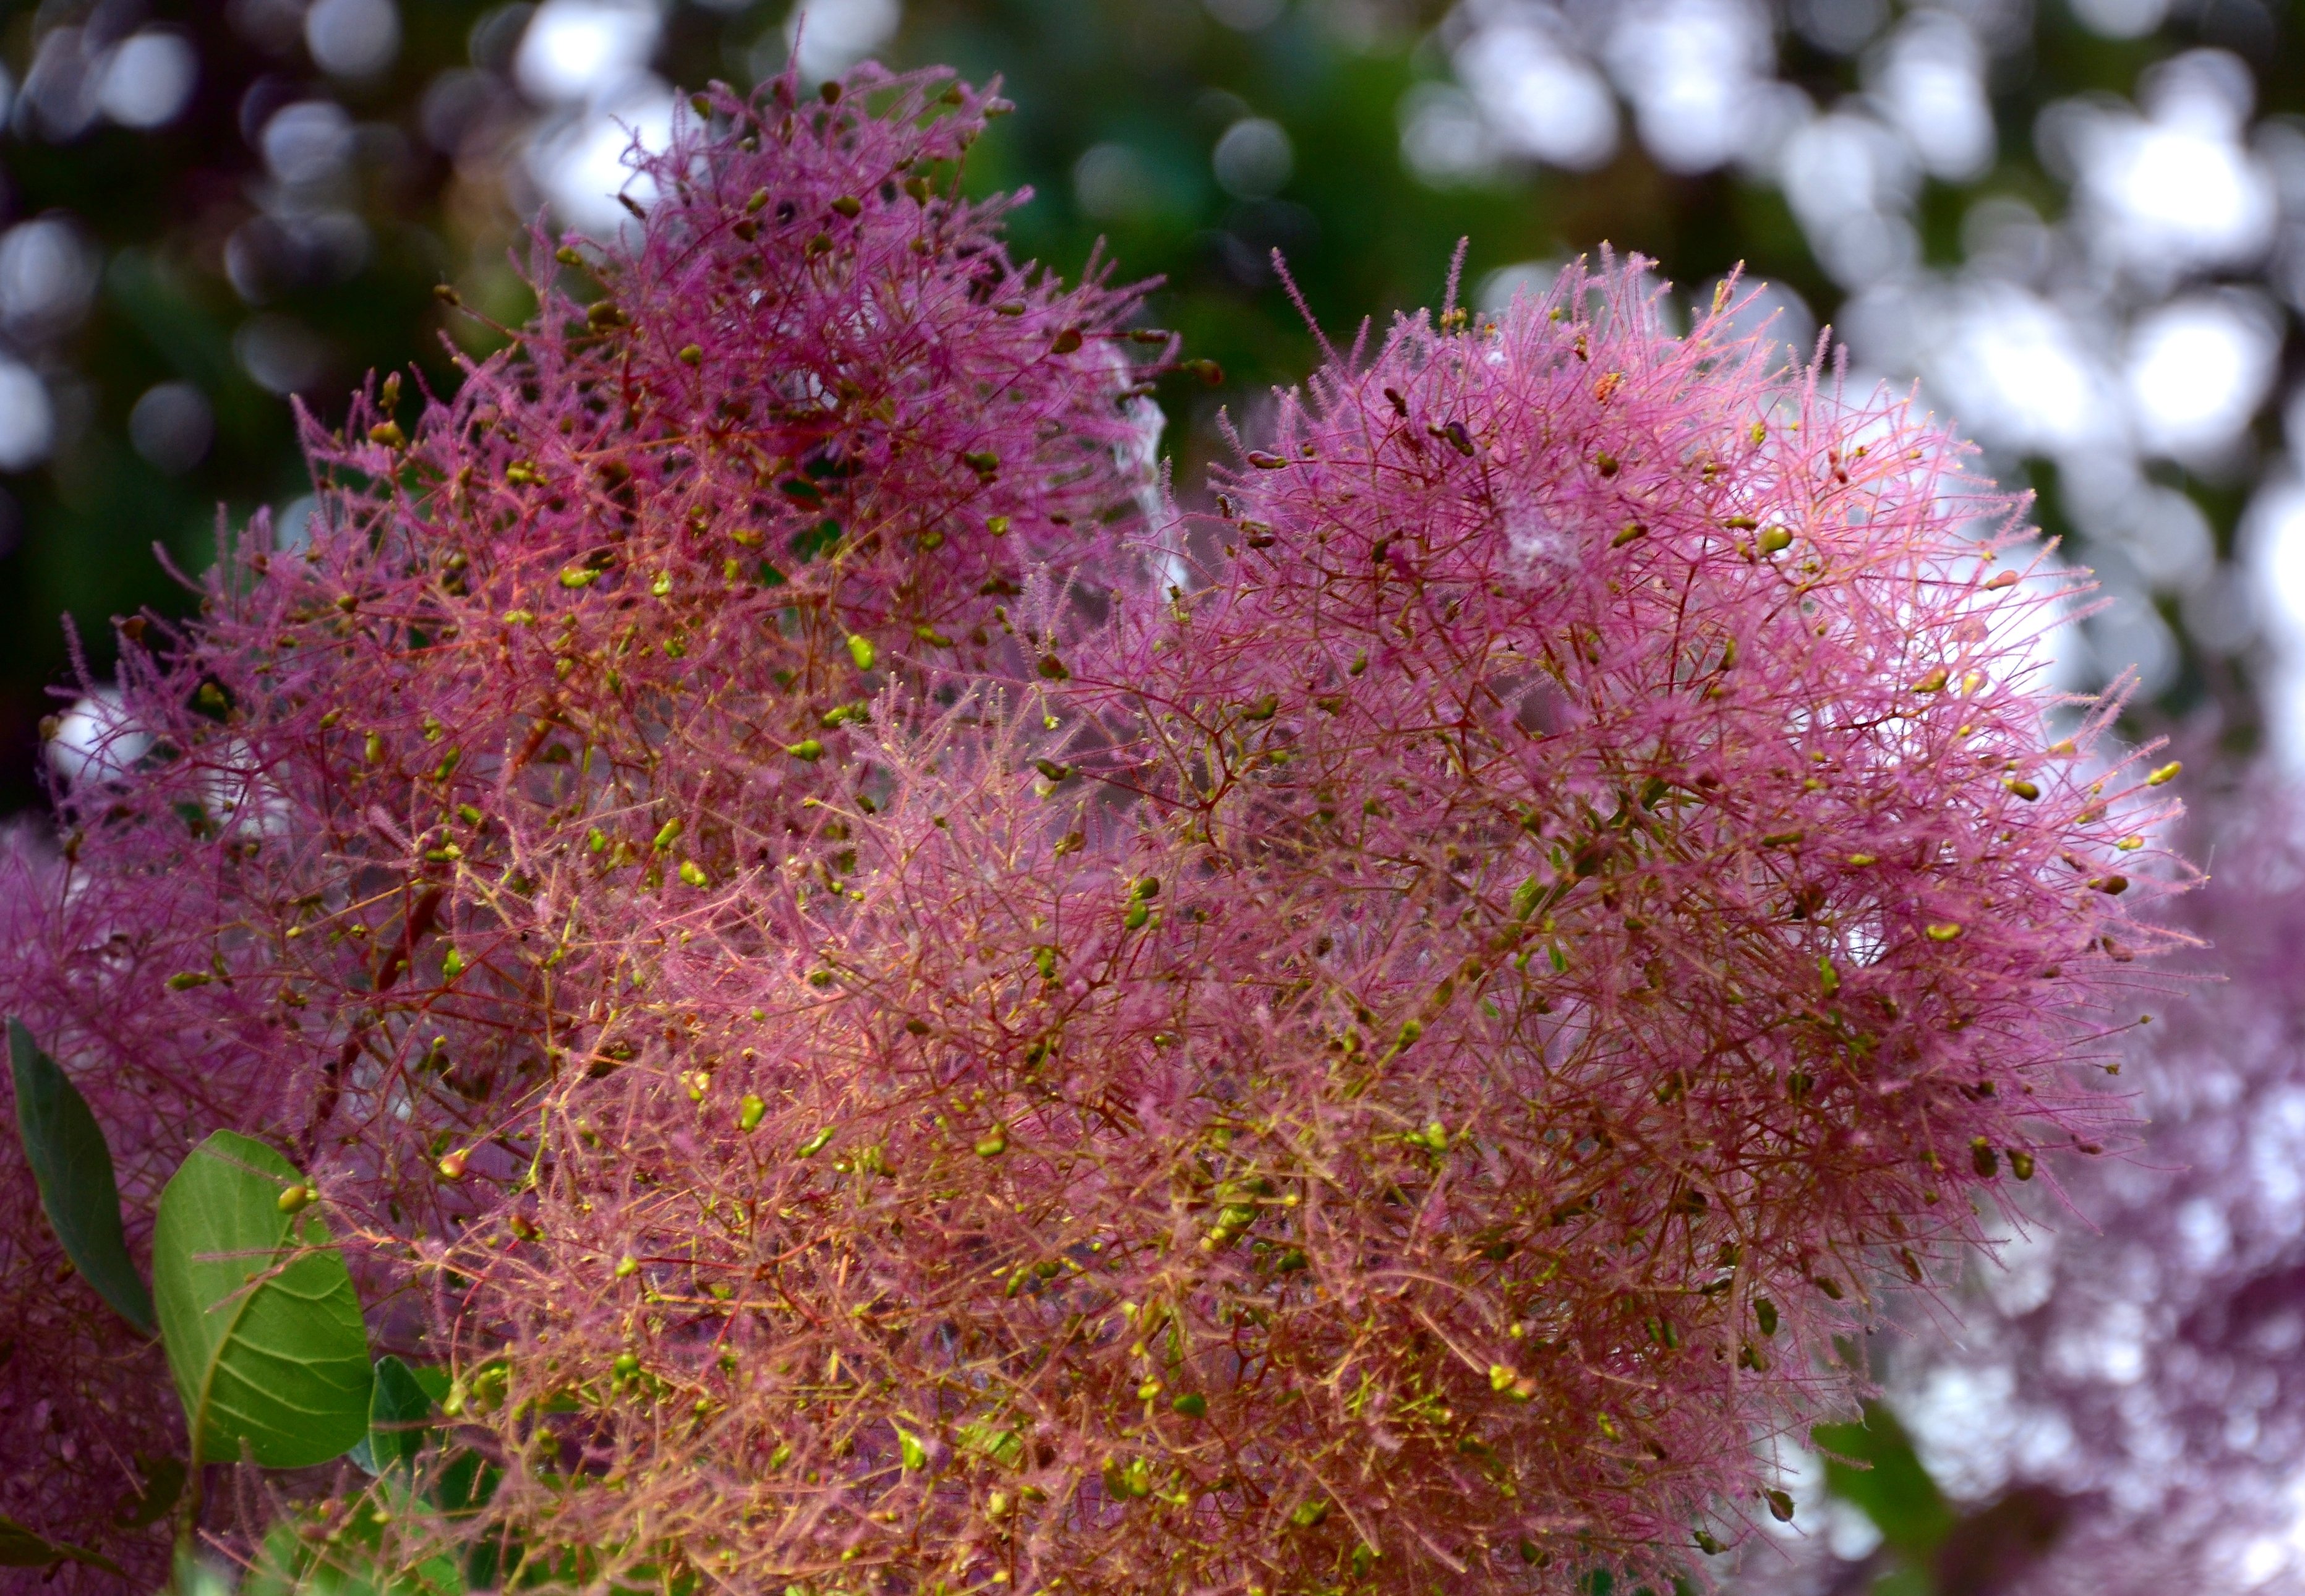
994 1145
693 873
1775 538
861 652
2020 1163
1981 1155
1525 896
1127 1481
808 749
664 838
1764 1314
294 1199
1192 1404
1781 1506
628 1267
814 1145
750 1112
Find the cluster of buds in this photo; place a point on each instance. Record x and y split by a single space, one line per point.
904 1016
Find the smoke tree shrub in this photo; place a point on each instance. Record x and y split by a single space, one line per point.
904 1017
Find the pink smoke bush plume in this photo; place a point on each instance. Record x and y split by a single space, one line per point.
2146 1365
906 1018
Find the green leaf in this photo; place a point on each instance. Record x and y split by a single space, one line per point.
164 1482
20 1548
397 1407
72 1167
355 1561
262 1326
1893 1490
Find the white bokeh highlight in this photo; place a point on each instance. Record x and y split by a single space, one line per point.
2196 370
829 37
27 417
1543 98
576 51
148 78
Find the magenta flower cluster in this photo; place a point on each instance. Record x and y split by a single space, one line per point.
904 1017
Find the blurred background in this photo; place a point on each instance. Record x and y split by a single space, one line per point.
2078 224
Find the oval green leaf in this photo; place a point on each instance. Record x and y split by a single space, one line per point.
164 1483
262 1326
72 1164
20 1548
397 1408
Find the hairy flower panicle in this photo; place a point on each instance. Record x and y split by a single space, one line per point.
898 1029
382 849
2154 1391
